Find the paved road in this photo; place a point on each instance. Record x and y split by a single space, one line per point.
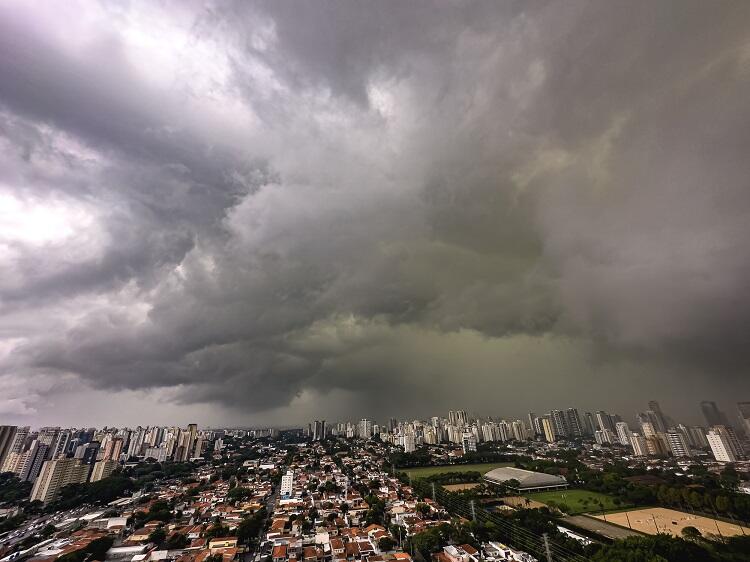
35 525
258 554
597 526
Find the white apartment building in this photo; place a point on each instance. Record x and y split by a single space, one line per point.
287 484
720 446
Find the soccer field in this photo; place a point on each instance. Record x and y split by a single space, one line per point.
578 501
425 471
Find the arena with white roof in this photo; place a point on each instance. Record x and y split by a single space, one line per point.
528 480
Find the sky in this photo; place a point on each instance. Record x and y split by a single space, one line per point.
269 212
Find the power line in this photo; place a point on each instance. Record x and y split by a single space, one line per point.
511 528
518 535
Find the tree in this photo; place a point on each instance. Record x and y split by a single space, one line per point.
657 548
157 536
691 533
423 509
177 541
729 477
722 503
250 527
98 548
239 493
12 490
385 544
217 530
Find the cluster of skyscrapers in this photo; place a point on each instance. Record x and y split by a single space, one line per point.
658 434
53 457
457 428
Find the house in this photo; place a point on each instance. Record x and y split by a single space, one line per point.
140 535
461 553
309 554
337 546
279 553
221 543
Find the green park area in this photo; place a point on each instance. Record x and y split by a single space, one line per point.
425 471
577 501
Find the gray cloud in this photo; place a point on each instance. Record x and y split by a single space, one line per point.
374 207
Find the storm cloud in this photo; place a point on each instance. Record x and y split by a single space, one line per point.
263 212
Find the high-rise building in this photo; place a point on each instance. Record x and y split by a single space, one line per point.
712 414
87 452
102 469
160 454
469 443
539 426
575 427
49 436
365 428
192 435
678 444
697 436
519 431
559 422
287 484
31 463
7 433
61 446
548 429
113 449
55 475
410 444
602 436
318 430
623 433
200 447
744 410
532 425
20 440
720 446
638 442
657 416
729 435
604 421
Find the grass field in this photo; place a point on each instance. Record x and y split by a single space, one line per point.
576 500
425 471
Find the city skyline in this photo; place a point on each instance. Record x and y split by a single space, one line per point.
711 414
49 455
257 213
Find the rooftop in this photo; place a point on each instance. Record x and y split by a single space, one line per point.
527 479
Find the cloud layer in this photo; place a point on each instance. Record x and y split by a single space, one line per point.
268 211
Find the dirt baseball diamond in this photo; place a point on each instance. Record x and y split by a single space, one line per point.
658 519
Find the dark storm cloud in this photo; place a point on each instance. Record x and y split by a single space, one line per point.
275 203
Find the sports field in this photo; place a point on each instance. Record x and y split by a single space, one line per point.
658 519
460 487
425 471
578 501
